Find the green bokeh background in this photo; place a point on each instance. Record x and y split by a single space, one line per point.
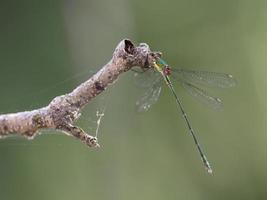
49 47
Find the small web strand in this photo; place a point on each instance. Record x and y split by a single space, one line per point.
99 115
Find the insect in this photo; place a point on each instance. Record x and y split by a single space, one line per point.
160 72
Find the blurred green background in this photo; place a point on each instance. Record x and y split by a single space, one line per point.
49 47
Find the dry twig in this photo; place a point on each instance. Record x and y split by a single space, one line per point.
64 110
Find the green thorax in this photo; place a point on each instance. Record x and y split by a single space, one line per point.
161 63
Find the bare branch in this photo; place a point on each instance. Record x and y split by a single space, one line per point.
64 110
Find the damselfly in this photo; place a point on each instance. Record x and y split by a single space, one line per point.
160 72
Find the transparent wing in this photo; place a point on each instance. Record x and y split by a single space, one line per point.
147 78
202 95
150 97
214 79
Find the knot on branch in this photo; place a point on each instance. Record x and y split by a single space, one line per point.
63 110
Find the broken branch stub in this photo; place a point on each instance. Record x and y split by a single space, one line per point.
64 110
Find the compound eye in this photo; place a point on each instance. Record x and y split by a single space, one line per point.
167 70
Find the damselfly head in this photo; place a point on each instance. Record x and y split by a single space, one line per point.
167 70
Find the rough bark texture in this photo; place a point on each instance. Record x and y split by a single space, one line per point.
64 110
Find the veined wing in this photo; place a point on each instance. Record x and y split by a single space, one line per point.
150 97
214 79
202 95
147 78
